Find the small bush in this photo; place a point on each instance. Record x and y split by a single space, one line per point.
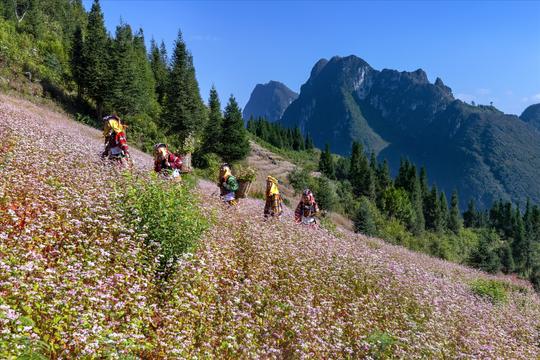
207 165
380 344
364 221
493 290
166 213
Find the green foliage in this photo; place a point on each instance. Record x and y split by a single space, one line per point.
77 60
325 194
495 291
165 213
301 179
132 88
485 255
245 173
158 63
143 131
380 344
364 221
326 163
207 165
454 219
213 131
277 135
97 72
361 175
398 205
234 143
184 114
343 165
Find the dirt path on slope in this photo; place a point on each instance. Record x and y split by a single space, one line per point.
268 163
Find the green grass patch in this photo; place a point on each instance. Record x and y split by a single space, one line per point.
380 344
495 291
307 159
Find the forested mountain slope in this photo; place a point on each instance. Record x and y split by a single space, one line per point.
478 150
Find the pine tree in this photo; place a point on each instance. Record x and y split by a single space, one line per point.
373 163
470 216
507 259
520 246
384 181
419 223
424 182
326 163
342 168
364 222
234 141
309 142
531 236
123 97
444 213
133 91
297 141
402 178
355 174
184 109
432 210
325 195
158 62
212 133
454 220
96 54
77 60
145 82
486 256
361 177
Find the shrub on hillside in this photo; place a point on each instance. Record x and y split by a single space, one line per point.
166 213
364 221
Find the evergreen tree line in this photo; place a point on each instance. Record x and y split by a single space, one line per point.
157 97
516 246
407 211
278 135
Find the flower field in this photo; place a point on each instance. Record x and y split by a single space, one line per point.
78 281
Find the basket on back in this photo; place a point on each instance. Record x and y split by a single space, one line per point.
245 177
243 189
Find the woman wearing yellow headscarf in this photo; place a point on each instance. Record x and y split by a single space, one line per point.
273 199
227 184
116 147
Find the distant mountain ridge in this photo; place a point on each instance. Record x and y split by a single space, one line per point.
482 152
269 101
531 115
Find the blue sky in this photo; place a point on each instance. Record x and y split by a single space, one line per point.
485 51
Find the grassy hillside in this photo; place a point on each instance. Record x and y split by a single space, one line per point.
79 279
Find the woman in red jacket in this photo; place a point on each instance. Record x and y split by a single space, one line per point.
114 132
307 209
165 162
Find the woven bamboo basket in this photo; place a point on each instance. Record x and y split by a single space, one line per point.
243 189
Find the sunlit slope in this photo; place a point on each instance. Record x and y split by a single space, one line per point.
75 280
